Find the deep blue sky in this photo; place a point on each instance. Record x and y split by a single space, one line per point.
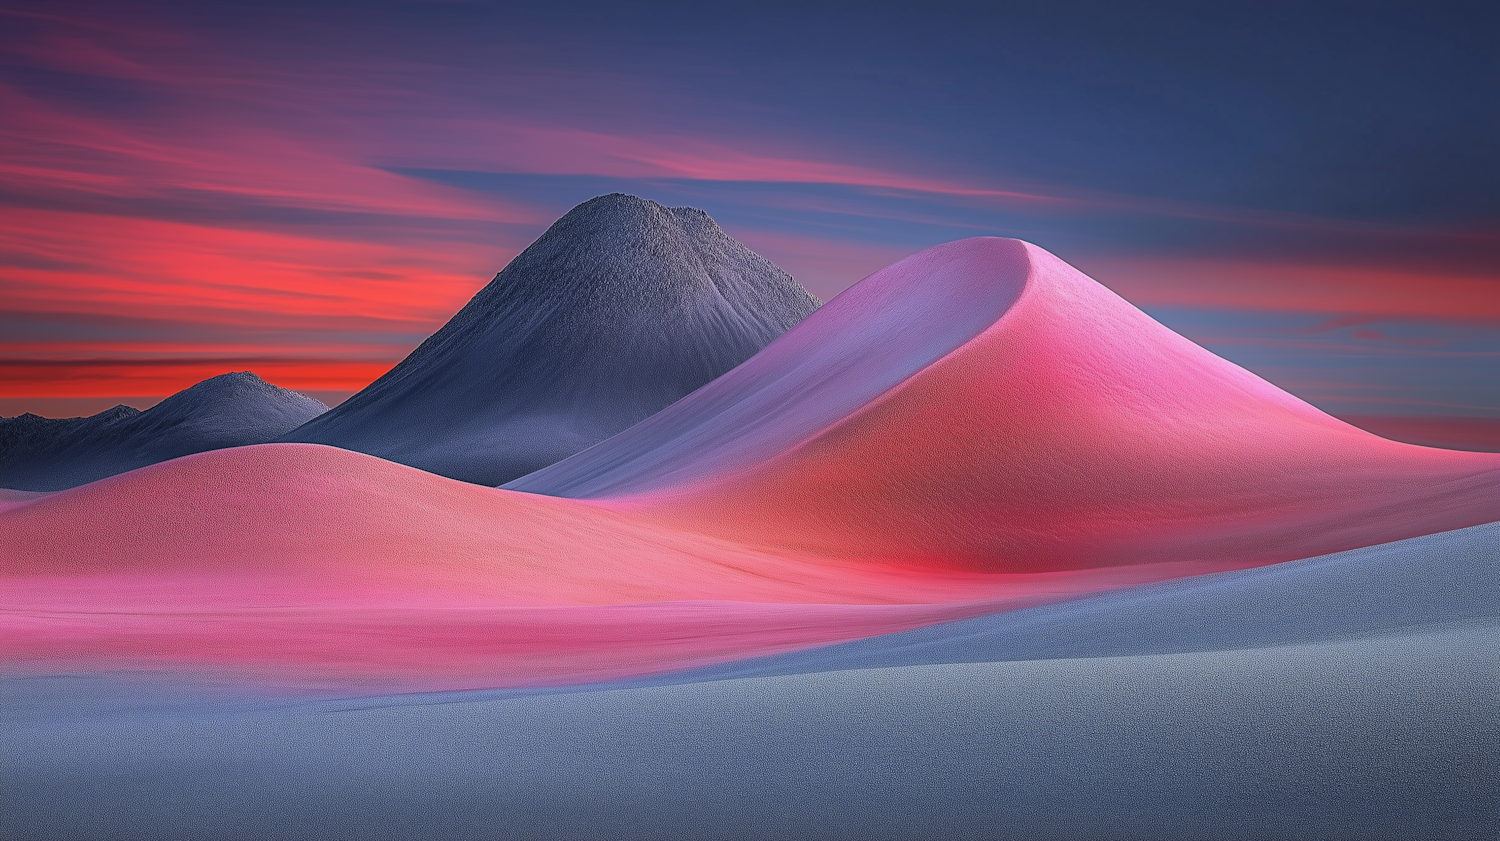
308 189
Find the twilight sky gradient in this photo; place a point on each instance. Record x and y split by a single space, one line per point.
307 190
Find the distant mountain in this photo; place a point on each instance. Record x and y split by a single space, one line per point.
230 410
621 308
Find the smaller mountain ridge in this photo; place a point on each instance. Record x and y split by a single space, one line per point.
230 410
621 308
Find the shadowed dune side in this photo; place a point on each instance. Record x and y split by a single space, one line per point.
1451 579
230 410
620 308
885 329
983 405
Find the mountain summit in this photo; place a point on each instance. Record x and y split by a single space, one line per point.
621 308
230 410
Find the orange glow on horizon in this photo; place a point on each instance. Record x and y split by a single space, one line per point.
1360 291
159 378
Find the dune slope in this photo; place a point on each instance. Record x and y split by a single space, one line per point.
314 565
983 405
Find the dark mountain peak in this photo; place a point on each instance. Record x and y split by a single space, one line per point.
233 383
237 392
229 410
117 412
619 256
620 212
621 220
619 206
113 413
620 308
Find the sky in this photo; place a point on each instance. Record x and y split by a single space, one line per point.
307 190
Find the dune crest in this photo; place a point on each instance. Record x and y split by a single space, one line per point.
983 405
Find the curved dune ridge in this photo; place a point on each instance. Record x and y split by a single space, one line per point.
983 405
306 564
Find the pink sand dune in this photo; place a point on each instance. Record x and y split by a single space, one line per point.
397 649
974 428
316 564
1055 427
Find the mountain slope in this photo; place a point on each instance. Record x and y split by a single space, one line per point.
622 307
230 410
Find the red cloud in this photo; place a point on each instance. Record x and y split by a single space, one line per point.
245 193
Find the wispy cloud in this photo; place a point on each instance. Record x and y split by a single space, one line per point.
243 192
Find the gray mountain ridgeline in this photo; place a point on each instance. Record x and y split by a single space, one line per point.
621 308
230 410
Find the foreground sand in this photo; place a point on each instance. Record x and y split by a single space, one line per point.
1349 697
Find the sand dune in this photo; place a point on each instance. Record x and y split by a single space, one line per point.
983 405
310 564
1442 580
1262 704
